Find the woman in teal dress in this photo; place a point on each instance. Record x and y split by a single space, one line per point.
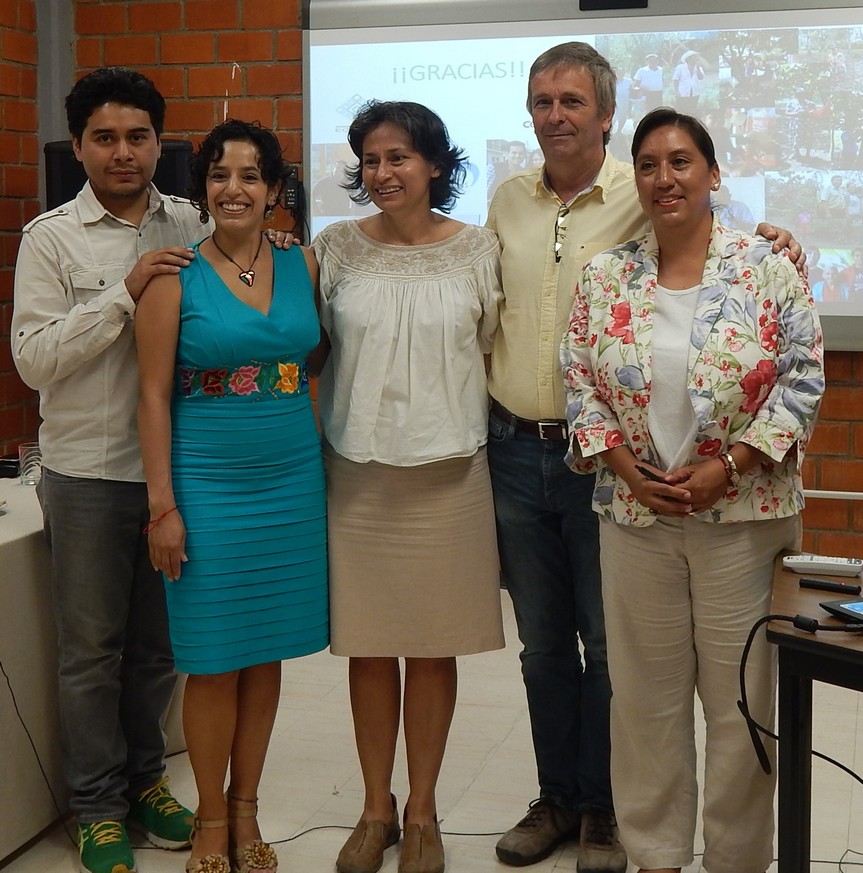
235 481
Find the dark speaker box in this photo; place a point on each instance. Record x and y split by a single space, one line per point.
65 176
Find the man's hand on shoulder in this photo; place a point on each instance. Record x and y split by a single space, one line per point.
281 239
784 239
156 263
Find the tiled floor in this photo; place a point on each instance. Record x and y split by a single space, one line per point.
312 778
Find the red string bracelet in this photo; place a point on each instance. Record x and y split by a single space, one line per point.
154 522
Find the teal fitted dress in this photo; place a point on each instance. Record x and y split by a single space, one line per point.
248 477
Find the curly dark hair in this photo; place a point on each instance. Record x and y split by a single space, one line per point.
274 169
113 85
428 135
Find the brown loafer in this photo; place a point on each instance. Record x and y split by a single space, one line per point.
422 849
364 850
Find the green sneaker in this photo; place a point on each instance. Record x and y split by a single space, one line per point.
163 821
104 848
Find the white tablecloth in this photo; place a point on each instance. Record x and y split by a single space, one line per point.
28 653
28 649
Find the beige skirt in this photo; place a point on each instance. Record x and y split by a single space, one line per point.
413 558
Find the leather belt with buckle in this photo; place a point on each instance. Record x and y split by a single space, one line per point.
552 429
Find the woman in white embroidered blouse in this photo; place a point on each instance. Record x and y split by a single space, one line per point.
693 372
410 299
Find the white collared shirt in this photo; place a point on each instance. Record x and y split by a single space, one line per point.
73 327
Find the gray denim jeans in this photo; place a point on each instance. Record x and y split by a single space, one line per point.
116 668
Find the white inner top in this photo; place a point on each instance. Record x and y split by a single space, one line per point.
670 416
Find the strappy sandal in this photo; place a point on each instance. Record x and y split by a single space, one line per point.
213 863
256 856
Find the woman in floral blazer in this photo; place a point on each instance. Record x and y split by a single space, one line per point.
693 373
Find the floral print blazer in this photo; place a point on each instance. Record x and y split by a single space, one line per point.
755 371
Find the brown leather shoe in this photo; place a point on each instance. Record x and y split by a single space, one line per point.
364 850
538 834
422 849
600 850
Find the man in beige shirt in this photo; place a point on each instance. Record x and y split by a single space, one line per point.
550 221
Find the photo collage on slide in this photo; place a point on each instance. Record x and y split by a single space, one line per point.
783 107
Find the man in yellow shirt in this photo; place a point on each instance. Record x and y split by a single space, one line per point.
550 221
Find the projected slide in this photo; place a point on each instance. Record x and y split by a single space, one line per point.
783 105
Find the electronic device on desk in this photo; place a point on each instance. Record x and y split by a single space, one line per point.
847 588
847 610
823 564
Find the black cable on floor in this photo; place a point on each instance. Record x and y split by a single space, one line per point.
743 704
60 814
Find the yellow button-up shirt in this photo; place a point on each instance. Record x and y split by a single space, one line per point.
538 289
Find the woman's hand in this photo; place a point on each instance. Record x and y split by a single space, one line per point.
167 544
706 482
659 492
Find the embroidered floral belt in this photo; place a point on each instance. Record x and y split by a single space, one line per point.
277 378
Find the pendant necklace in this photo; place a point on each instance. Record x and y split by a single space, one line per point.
247 277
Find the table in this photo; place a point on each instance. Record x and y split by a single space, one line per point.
28 652
836 658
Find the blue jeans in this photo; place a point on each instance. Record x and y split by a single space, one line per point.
548 537
116 668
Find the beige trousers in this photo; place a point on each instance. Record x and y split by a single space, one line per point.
680 598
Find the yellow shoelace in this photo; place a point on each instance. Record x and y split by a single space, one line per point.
160 799
102 833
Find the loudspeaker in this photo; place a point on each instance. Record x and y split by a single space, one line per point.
65 176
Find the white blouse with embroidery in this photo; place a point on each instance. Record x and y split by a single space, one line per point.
405 381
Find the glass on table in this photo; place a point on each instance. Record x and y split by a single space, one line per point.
29 463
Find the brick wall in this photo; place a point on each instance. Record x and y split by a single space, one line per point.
834 461
203 54
19 191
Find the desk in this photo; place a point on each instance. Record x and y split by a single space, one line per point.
836 658
28 651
